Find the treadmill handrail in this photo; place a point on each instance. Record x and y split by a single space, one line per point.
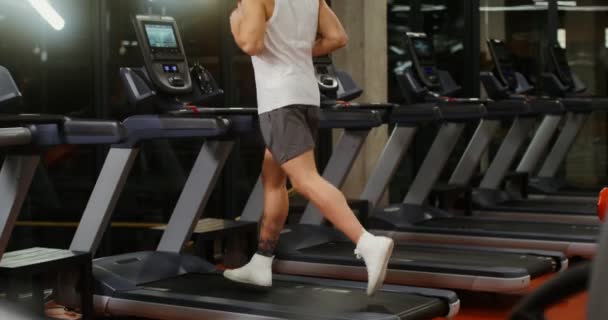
150 127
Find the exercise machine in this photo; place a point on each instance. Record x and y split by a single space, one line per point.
414 220
490 200
561 82
23 139
167 284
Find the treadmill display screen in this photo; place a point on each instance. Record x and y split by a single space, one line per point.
161 36
424 49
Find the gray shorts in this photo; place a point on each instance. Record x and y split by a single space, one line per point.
290 131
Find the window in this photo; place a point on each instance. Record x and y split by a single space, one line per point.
561 37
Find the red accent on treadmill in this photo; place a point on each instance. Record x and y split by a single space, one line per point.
193 108
602 204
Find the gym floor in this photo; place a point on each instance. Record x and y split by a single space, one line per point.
475 306
571 309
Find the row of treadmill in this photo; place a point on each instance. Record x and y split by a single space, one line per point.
504 243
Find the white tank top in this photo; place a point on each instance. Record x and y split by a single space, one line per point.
284 71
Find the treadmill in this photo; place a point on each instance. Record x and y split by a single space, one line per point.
414 220
166 284
490 200
312 248
23 138
560 81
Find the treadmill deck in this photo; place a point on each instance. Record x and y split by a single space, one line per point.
287 299
547 206
585 233
469 262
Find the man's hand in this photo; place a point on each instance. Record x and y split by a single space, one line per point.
331 32
248 25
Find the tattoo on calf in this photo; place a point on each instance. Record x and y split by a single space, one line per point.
268 244
266 247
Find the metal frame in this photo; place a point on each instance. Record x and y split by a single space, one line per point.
541 141
506 153
471 157
396 147
557 155
433 163
193 198
16 177
102 201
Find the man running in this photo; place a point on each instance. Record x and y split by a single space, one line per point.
282 36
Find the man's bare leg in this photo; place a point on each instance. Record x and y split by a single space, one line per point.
276 205
375 251
258 271
305 178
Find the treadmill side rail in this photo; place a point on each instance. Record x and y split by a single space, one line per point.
438 155
102 201
16 176
394 151
563 144
205 172
506 153
538 146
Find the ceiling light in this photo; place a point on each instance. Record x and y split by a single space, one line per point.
48 13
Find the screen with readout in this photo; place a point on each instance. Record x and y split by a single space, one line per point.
424 48
161 36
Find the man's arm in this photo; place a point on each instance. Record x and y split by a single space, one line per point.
248 26
331 32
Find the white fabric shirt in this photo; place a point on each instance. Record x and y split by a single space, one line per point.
284 71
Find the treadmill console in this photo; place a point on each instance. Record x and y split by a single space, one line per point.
558 64
163 53
327 79
422 52
503 63
333 83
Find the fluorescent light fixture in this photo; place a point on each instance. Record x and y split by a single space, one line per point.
567 3
606 35
584 8
561 37
48 13
538 6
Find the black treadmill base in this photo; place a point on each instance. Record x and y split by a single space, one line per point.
408 218
286 300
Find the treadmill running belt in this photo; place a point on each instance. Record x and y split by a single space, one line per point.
292 299
471 262
533 228
550 206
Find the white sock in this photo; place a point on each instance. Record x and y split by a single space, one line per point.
257 272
